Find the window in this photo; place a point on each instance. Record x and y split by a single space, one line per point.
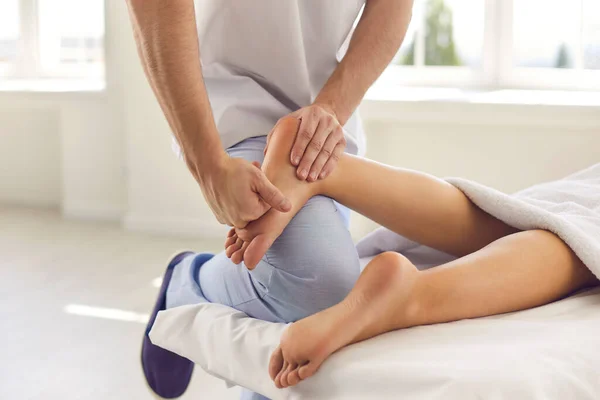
501 44
52 39
9 34
565 37
444 33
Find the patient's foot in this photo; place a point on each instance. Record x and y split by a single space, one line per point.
251 243
383 299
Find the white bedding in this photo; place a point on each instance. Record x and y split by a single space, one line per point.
550 352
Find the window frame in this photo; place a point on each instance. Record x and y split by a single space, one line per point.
27 66
7 69
497 70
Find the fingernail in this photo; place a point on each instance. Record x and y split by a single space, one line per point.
296 160
303 174
323 175
313 176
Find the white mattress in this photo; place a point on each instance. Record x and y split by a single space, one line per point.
550 352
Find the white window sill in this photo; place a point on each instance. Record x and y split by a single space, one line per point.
501 96
498 107
53 85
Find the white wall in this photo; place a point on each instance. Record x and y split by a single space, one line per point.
108 155
93 160
62 150
499 154
30 156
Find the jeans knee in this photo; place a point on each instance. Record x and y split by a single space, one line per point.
315 257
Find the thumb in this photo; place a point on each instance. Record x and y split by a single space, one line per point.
272 196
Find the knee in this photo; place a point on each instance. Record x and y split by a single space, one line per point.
316 253
541 237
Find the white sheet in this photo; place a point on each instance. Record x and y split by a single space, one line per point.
550 352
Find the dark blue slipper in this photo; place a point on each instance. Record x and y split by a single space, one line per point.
167 373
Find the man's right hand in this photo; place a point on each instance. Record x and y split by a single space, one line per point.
238 192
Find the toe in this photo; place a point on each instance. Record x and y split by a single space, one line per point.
230 240
294 377
230 250
308 370
284 377
238 256
246 234
234 247
256 250
280 373
275 363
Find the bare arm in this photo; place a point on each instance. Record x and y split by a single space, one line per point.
167 41
375 41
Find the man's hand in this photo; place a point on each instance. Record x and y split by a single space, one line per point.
238 192
319 143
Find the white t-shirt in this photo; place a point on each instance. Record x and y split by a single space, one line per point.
263 59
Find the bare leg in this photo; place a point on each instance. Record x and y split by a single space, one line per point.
519 271
416 205
500 270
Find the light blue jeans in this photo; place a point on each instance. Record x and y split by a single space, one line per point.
311 266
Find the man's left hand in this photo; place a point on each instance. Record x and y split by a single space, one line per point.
319 143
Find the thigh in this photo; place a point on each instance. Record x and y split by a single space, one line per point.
519 271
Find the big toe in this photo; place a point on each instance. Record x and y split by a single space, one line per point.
308 370
257 249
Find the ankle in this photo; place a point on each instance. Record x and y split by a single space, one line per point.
403 282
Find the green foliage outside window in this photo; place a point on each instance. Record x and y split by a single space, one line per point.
563 59
439 37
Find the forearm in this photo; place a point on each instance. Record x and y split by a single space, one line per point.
167 43
376 40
